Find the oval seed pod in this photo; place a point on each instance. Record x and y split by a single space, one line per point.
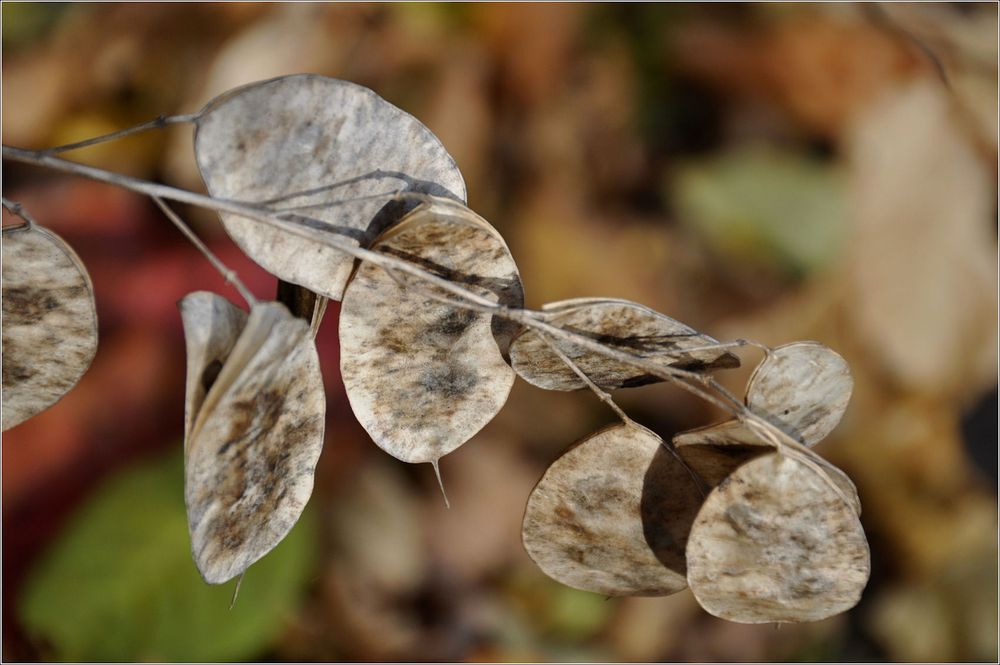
620 324
424 376
252 448
715 451
331 150
803 387
49 321
775 543
612 515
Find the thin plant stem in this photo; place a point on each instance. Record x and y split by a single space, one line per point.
602 395
156 123
605 397
18 210
227 273
314 231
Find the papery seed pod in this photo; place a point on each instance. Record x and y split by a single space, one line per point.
255 430
619 324
612 515
49 321
804 387
323 148
423 376
774 542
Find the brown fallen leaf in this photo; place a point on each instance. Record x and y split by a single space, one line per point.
424 376
253 444
775 542
326 149
49 321
622 325
612 515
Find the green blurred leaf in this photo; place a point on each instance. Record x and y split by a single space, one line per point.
558 612
773 208
25 22
120 583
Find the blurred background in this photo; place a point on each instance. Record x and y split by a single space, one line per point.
778 172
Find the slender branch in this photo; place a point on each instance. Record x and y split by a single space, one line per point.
601 394
228 273
315 231
156 123
18 210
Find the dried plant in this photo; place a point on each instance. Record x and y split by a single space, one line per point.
341 195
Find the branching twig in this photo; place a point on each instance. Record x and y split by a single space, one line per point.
318 231
597 390
228 273
18 210
156 123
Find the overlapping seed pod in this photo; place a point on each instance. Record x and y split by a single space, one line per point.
255 411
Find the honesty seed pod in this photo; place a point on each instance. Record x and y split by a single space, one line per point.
802 388
422 375
619 324
774 542
612 515
255 413
49 321
324 149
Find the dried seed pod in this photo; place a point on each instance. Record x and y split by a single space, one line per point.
256 436
715 451
619 324
212 325
327 149
804 387
775 543
424 376
612 515
303 303
49 321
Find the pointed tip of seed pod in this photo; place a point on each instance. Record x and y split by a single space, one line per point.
236 591
437 472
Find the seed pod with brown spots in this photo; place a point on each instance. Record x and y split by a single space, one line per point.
422 375
775 542
255 430
621 325
802 387
49 321
612 515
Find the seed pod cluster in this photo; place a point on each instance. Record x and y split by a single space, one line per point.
777 539
433 333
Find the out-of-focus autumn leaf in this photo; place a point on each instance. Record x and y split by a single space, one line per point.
923 257
120 584
816 66
376 529
963 40
495 508
951 616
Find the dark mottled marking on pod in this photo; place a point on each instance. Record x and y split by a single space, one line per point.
49 322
